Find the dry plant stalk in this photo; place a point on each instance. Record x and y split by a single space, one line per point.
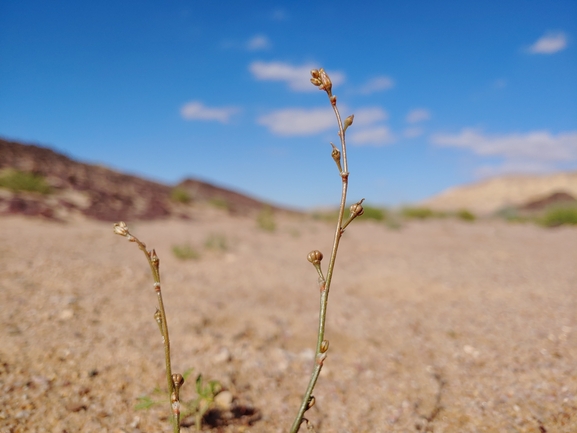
323 82
174 381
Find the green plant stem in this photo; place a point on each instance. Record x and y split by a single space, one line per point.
319 356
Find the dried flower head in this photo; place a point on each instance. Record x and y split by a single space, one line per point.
321 79
120 228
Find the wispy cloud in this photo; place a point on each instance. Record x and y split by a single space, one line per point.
377 84
368 115
196 110
372 136
413 132
514 167
298 121
536 146
258 43
297 77
549 43
418 115
279 15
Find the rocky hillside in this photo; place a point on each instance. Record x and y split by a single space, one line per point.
77 190
521 191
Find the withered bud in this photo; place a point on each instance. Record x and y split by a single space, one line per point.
324 346
349 121
315 73
336 154
315 257
154 258
356 209
158 316
178 380
326 83
120 228
311 402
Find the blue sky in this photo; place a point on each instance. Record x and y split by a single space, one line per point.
443 92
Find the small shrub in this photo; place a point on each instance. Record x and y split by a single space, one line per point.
466 215
558 216
216 242
326 215
219 203
265 219
512 215
16 181
417 213
374 213
185 252
180 195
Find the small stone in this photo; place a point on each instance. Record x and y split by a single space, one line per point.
75 407
224 400
222 356
66 314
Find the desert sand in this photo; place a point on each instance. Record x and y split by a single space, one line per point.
440 326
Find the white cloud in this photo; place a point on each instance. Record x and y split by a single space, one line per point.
537 146
299 121
297 77
258 42
418 115
196 110
373 136
368 116
549 43
377 84
514 167
413 132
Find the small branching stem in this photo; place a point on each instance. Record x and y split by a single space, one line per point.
322 345
160 318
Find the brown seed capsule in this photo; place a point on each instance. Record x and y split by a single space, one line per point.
315 73
177 379
315 257
356 209
324 346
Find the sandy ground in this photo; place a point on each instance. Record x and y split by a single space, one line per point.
440 326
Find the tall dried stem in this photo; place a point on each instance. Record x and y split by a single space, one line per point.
174 381
323 82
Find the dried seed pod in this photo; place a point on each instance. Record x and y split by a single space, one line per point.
177 379
356 209
315 257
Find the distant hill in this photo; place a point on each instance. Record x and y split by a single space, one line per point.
92 191
490 195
